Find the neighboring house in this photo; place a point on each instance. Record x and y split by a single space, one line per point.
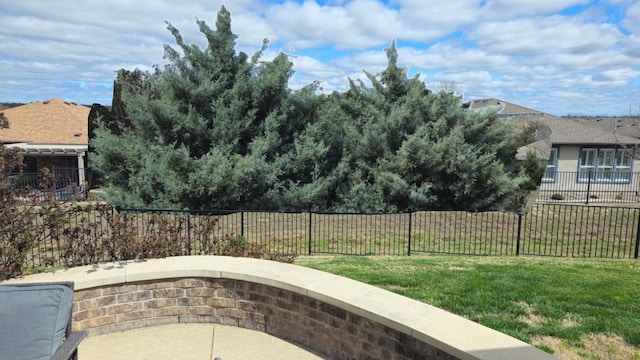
621 125
580 157
50 134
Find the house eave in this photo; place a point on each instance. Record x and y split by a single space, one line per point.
594 144
50 149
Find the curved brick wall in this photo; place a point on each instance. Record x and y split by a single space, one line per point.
342 318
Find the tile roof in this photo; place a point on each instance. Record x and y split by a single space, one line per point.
52 121
564 131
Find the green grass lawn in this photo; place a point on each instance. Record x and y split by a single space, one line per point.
574 308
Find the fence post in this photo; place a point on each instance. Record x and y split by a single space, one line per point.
409 243
636 253
188 233
588 187
310 219
54 177
519 236
242 223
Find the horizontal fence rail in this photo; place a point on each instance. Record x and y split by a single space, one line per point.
590 186
358 234
547 230
581 231
470 233
91 234
61 184
71 184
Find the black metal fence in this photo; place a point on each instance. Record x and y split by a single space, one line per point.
63 184
71 184
91 234
546 230
590 186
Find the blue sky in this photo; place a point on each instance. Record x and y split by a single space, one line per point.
563 57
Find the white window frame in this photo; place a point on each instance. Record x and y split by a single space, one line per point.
605 165
623 163
550 172
587 163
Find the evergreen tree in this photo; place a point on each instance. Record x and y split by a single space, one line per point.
218 129
202 132
396 146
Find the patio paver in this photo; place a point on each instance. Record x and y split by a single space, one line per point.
190 342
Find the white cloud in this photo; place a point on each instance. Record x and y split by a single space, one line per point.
434 19
361 24
631 46
520 50
616 76
372 61
632 19
461 80
453 56
309 24
553 34
607 59
314 68
510 8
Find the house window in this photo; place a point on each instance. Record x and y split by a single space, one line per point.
623 166
552 167
587 164
605 165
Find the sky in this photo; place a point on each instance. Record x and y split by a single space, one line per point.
562 57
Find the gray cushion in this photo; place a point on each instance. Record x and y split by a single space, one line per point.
33 320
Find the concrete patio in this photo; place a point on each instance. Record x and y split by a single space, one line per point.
190 342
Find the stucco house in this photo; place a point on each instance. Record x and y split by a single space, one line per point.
50 134
581 159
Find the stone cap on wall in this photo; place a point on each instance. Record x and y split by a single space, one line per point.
451 333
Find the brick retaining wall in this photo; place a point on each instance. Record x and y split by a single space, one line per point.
341 318
300 319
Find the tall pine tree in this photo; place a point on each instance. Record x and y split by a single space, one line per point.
204 132
394 145
218 129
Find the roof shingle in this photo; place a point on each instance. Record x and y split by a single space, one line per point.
563 131
52 121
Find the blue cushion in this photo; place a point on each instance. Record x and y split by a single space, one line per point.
33 320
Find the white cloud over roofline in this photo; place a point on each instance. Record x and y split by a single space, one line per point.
523 49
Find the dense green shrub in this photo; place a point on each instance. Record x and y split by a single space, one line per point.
219 129
557 196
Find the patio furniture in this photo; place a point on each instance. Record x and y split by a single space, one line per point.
35 322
